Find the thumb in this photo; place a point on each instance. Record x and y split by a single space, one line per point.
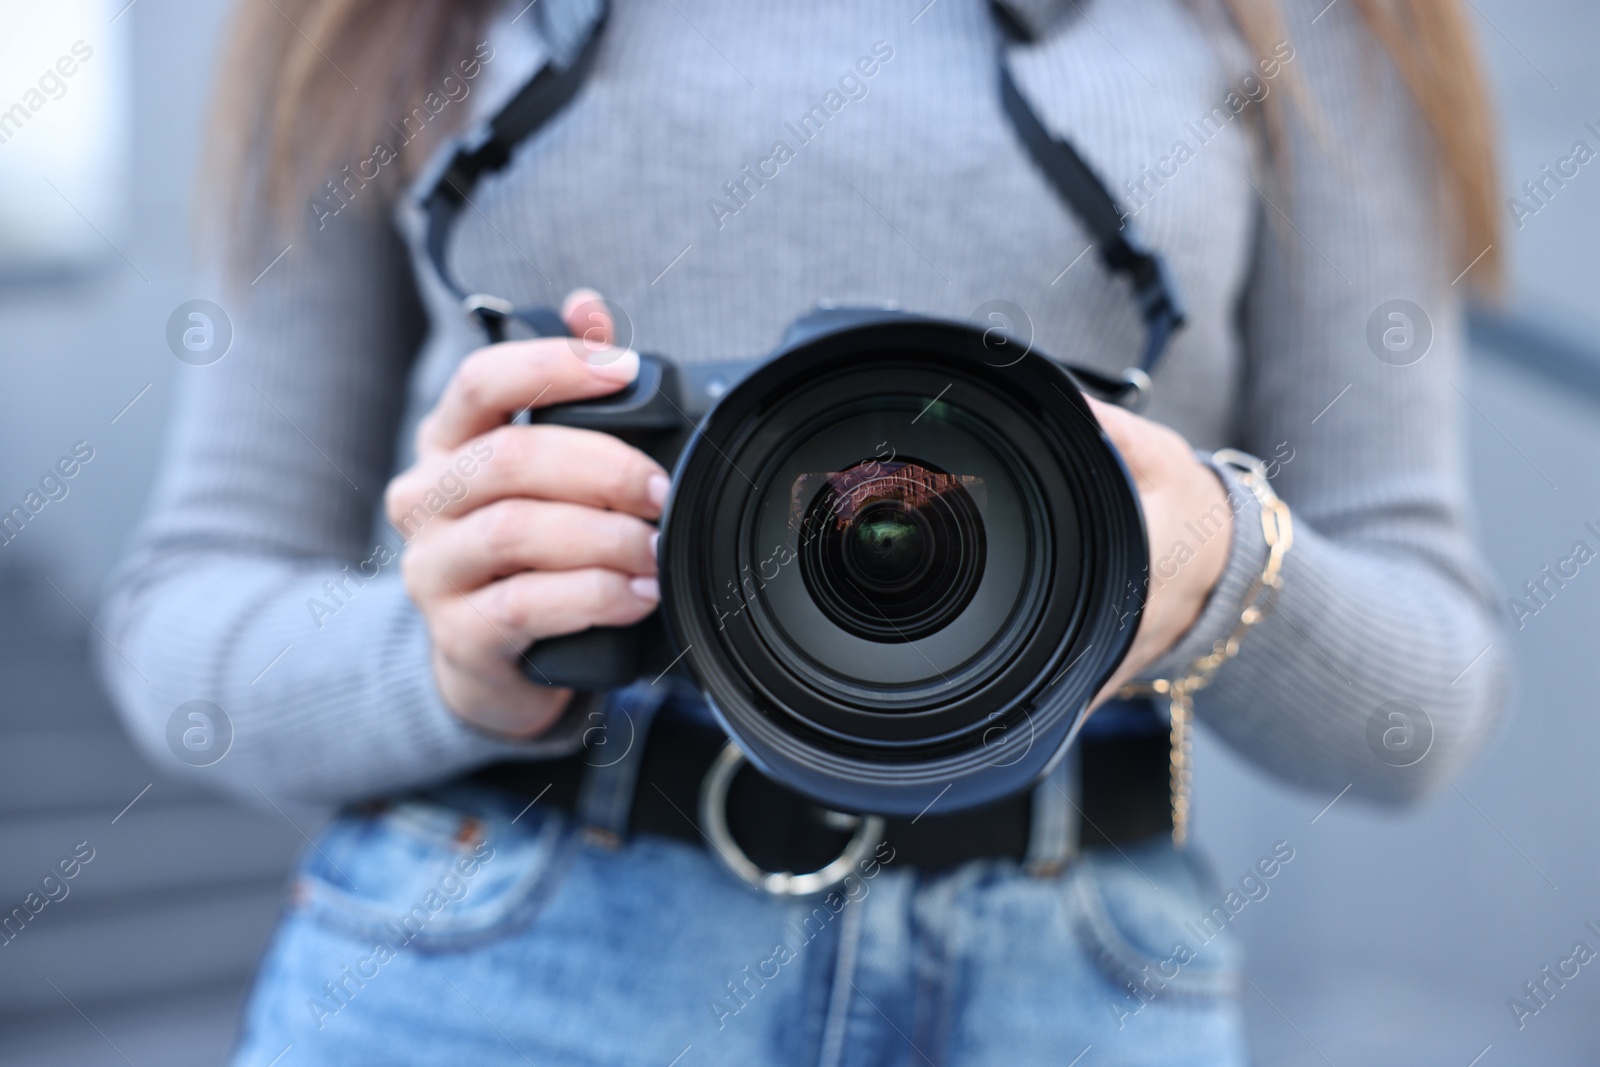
1131 434
590 322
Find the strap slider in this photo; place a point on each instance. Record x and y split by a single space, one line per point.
490 313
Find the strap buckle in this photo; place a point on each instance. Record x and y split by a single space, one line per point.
714 818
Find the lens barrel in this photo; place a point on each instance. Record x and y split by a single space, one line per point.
898 572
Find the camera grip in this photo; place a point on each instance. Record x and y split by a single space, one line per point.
644 406
599 658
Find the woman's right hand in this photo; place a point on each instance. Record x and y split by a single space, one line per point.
542 530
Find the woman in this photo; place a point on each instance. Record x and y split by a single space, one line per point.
1300 170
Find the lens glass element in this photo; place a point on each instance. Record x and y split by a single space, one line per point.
890 551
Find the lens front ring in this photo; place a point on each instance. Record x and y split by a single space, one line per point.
860 751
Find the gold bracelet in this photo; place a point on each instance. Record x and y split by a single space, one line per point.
1278 528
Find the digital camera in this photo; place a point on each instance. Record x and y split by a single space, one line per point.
899 557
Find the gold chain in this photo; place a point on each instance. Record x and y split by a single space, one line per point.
1278 529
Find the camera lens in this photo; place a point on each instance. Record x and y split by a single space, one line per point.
882 552
891 551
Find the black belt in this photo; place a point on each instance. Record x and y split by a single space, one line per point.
1123 797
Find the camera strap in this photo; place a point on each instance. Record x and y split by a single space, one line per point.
1121 249
572 33
573 30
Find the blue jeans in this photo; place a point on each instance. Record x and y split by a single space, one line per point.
452 929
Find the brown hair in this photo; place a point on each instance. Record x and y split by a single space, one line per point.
309 88
312 85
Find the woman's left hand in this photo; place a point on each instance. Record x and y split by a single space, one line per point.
1188 523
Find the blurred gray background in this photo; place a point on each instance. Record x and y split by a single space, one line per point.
1391 938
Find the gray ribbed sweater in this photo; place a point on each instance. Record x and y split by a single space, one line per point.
913 192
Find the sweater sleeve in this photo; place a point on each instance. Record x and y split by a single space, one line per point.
1385 665
256 582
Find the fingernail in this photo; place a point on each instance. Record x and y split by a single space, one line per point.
654 539
645 588
619 365
657 489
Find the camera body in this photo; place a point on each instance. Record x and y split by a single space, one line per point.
899 557
656 414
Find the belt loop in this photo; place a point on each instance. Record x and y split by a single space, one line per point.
613 749
1053 829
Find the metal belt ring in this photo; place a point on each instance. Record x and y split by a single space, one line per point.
714 818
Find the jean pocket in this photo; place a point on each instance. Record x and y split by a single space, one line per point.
1143 917
441 872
